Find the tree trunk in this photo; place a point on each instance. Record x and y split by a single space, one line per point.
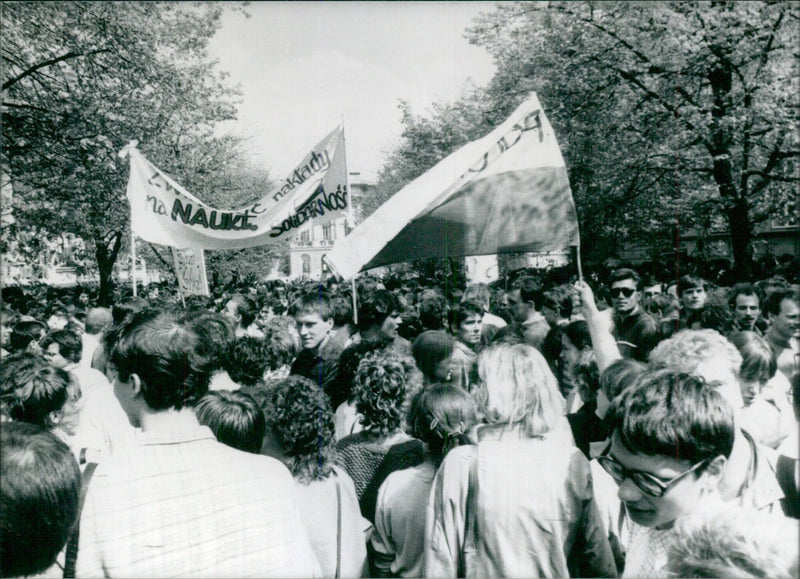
106 251
741 236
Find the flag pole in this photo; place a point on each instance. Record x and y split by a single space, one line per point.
350 222
133 261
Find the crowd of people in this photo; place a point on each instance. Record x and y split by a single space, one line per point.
619 426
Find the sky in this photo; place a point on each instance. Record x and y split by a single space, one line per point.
304 67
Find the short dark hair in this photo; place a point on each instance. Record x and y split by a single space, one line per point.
234 418
460 312
31 388
776 298
670 413
430 348
380 390
126 306
376 307
299 415
624 273
248 361
246 307
216 336
619 375
578 333
69 344
742 289
342 310
314 303
24 332
164 353
664 304
39 494
690 281
280 348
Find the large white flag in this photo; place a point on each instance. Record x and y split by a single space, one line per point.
505 193
163 212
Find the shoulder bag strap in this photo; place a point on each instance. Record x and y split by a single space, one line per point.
338 525
471 531
72 545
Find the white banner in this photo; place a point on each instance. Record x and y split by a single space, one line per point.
190 269
163 212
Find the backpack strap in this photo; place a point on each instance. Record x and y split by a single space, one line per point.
72 545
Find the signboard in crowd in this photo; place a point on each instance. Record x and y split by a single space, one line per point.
190 269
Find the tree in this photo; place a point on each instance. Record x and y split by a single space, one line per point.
669 113
81 79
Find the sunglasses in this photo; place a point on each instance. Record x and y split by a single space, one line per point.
646 482
625 291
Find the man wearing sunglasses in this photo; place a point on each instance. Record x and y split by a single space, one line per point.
634 329
672 436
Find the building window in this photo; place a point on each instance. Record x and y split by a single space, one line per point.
328 231
306 263
305 235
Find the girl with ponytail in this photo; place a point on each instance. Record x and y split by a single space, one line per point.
441 416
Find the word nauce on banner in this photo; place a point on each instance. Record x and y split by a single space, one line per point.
165 213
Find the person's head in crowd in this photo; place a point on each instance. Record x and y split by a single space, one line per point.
234 418
717 317
442 416
734 542
431 308
651 287
126 306
34 391
26 335
672 436
433 351
247 361
510 334
663 307
586 375
692 291
615 378
98 320
517 388
342 311
300 428
198 302
624 285
58 317
216 336
280 350
313 315
39 496
155 364
380 388
783 309
557 305
62 348
241 310
745 303
464 320
478 293
82 299
379 315
704 353
522 300
758 367
575 338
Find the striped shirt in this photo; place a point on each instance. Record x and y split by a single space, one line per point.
181 504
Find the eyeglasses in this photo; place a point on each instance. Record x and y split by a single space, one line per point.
625 291
646 482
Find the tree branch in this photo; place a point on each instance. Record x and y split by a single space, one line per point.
12 81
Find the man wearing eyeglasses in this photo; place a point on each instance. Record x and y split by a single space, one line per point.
634 330
672 437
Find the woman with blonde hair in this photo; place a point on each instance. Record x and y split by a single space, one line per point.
519 503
